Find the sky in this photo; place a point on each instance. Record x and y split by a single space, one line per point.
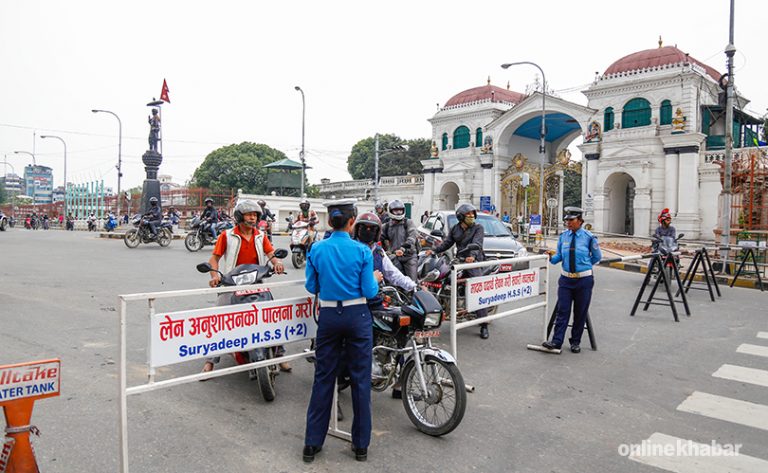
365 67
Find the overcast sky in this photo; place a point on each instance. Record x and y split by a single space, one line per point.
365 67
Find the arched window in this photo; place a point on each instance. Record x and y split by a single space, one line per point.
479 137
461 137
445 141
665 113
608 119
637 112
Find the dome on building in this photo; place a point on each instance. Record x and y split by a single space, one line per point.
485 93
654 58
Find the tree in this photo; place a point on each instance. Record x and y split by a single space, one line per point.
3 195
235 167
571 188
361 161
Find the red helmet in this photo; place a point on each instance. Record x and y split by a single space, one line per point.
664 215
367 218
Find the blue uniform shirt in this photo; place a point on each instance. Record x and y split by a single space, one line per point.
340 269
587 251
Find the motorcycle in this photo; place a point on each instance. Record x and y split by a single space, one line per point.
45 223
246 274
3 222
70 224
12 221
91 224
665 246
110 223
265 227
301 239
201 234
434 273
34 223
433 390
142 234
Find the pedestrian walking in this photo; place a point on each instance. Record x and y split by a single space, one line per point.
578 250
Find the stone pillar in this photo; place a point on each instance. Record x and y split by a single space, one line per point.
710 189
151 187
599 199
589 191
560 203
688 219
670 180
642 210
431 166
486 163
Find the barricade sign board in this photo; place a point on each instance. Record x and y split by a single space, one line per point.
535 224
181 336
6 453
36 379
497 289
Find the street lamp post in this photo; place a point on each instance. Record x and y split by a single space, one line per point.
301 154
376 156
119 153
27 152
65 168
725 237
543 132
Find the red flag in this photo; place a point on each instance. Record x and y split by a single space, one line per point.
164 93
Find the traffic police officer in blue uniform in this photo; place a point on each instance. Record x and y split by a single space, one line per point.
578 250
340 271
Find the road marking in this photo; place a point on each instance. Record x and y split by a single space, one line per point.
762 334
750 349
727 409
745 375
694 464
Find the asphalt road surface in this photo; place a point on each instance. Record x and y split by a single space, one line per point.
703 379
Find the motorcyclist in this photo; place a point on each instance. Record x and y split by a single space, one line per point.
309 216
153 215
250 247
91 221
665 227
266 216
210 216
381 212
70 222
464 233
399 237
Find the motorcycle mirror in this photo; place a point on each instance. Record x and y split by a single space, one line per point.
680 236
281 253
437 233
473 247
204 267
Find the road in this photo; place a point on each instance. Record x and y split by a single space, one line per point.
701 379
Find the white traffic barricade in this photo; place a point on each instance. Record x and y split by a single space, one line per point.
186 335
501 288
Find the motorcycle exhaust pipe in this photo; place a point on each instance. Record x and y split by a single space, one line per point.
540 348
467 387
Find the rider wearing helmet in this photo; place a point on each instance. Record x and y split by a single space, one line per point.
307 215
400 238
266 216
243 244
210 216
154 215
367 230
381 212
665 228
465 232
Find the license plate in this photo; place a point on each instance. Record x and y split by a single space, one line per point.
427 333
435 285
250 291
506 267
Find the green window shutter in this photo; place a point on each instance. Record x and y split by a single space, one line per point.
637 112
479 137
665 113
608 119
736 133
705 118
461 137
445 141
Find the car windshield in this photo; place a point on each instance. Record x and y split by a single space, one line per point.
492 227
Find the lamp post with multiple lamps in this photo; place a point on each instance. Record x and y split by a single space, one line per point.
119 153
65 167
377 155
543 132
301 154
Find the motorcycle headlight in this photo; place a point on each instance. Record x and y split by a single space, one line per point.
433 319
432 275
243 279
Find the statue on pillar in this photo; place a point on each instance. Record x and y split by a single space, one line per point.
433 150
487 145
154 130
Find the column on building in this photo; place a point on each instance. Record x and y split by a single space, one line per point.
642 211
670 180
431 166
560 203
684 150
589 192
486 163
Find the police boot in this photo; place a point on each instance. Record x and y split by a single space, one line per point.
484 331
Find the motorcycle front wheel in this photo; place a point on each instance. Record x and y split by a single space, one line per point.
2 225
441 410
298 260
164 237
193 242
131 238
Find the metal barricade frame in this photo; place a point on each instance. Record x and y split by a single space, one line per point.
455 327
152 385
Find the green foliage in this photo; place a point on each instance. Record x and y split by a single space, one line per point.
236 167
571 189
3 195
312 191
361 161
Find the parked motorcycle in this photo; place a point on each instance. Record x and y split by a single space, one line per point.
246 274
433 390
665 246
301 239
434 273
110 223
142 234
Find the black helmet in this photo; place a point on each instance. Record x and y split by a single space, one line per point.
246 206
208 200
465 209
367 218
396 210
379 207
304 204
262 202
152 201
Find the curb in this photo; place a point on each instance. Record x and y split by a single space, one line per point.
121 235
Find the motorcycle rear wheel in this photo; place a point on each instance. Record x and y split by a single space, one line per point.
446 403
193 242
131 238
164 237
298 260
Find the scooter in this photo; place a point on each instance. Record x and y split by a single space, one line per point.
301 239
246 274
110 223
